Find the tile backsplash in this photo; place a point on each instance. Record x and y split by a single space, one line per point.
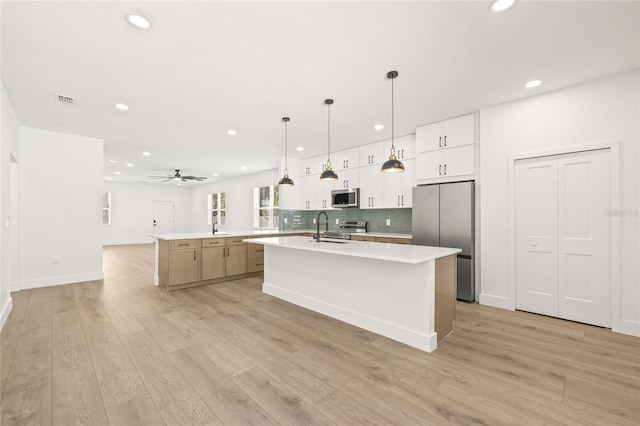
400 219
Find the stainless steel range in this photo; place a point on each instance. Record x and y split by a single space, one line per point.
346 228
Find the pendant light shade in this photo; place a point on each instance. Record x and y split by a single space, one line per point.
328 173
286 180
392 165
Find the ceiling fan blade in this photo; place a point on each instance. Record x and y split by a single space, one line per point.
167 180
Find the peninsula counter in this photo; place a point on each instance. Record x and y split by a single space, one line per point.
403 292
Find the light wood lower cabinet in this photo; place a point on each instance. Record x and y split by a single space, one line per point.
183 266
255 257
213 263
393 240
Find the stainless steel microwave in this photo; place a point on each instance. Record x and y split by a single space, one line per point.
341 198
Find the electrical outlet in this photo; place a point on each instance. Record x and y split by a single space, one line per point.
314 220
388 222
285 220
337 221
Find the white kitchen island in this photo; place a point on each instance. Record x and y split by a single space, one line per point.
403 292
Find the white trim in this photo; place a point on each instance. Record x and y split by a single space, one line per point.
630 327
15 286
496 301
6 310
62 279
614 162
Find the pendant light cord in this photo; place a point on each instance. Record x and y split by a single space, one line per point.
286 163
329 133
393 148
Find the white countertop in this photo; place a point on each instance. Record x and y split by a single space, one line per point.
391 252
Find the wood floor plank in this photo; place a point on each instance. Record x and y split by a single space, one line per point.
175 398
342 410
137 411
283 405
76 394
11 332
28 393
228 402
164 333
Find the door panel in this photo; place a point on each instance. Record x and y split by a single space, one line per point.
536 230
163 217
236 260
584 237
213 262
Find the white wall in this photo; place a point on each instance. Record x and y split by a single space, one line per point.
8 148
599 111
132 211
239 200
60 208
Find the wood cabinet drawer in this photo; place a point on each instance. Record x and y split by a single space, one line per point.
255 264
255 250
235 241
394 240
362 238
213 242
182 244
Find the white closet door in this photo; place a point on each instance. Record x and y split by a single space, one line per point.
536 239
584 237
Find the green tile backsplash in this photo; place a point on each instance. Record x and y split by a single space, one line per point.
376 219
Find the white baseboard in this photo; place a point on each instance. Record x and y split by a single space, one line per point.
410 337
629 327
128 242
15 286
497 301
62 279
6 310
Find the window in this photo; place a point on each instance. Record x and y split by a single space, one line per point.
266 207
217 208
106 208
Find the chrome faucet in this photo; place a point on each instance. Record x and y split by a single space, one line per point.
214 228
318 224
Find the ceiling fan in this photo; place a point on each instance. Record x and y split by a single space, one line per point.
177 176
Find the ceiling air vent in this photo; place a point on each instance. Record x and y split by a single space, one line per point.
65 99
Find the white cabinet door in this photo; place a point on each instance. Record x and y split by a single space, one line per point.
309 166
371 190
348 179
346 159
458 161
459 131
372 153
323 194
429 137
308 192
536 239
429 165
405 147
398 186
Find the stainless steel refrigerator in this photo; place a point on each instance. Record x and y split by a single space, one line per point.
443 216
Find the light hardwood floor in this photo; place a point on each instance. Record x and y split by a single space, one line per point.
124 352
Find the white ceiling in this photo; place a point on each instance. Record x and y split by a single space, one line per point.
206 67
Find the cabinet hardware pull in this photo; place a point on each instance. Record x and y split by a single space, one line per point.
440 169
182 245
259 264
445 140
440 142
372 160
445 169
398 200
195 253
403 200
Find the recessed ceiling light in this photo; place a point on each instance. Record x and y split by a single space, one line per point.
138 21
146 153
179 184
215 175
378 127
244 167
300 148
117 173
109 178
500 5
231 132
113 161
122 107
533 83
129 165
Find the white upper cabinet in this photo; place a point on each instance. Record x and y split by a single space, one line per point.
372 153
405 147
346 159
446 150
348 179
311 166
398 186
371 188
323 193
446 134
308 192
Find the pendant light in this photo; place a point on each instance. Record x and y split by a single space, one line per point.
392 165
286 180
328 173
